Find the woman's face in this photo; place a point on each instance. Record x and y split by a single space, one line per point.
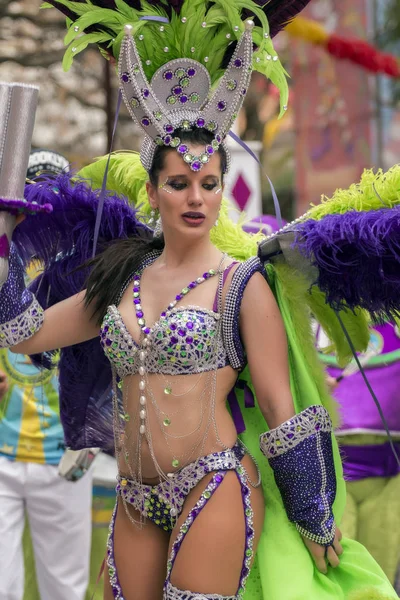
188 202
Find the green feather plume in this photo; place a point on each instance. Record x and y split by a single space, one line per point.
374 191
202 31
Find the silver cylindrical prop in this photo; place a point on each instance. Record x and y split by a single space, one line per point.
18 104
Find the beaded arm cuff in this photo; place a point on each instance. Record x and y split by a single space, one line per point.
300 454
21 315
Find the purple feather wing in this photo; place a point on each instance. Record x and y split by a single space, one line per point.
63 240
358 259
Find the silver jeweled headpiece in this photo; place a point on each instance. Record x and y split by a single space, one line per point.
178 97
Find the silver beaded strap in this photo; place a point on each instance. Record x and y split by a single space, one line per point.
312 420
233 301
22 327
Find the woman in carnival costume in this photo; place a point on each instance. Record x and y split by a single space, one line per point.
187 311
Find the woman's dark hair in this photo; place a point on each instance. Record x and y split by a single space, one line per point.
112 268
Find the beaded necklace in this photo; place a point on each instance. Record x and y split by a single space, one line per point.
147 331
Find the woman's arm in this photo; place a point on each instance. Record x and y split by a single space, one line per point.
264 338
27 329
64 324
298 447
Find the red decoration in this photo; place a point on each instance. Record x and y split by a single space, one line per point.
363 54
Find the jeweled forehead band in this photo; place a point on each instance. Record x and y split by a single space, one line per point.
178 97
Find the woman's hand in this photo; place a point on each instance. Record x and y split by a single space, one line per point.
325 556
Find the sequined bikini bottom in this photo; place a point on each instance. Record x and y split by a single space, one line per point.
163 503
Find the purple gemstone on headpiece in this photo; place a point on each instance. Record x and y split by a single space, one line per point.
181 332
210 150
182 149
146 330
145 93
167 140
177 90
221 105
172 326
196 165
218 138
125 77
189 340
145 122
200 122
183 99
136 301
191 72
238 63
244 91
139 314
168 128
136 289
174 340
163 314
168 75
189 325
108 342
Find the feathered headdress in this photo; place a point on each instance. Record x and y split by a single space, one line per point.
182 64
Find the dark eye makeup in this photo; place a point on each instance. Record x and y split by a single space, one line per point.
179 185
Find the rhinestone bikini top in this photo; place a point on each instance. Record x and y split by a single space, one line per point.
191 321
184 340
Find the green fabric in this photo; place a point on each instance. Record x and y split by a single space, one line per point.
281 550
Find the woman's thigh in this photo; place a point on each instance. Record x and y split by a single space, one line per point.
140 558
210 559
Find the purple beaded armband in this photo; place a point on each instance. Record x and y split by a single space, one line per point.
300 454
21 315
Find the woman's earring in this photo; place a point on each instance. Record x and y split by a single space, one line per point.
217 221
152 218
158 230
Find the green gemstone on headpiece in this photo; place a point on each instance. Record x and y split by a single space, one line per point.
186 125
188 157
204 158
231 85
211 126
215 144
136 69
159 141
180 73
175 142
171 99
134 102
184 82
194 97
158 115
